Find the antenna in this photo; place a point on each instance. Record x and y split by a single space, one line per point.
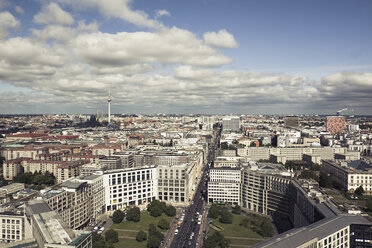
109 108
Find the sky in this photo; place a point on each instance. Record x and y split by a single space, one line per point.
195 56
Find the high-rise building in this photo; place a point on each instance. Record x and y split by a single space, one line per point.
231 123
109 108
335 124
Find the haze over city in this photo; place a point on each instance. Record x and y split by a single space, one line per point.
269 57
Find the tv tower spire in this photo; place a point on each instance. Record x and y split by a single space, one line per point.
109 108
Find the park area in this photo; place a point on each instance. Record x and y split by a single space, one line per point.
128 230
240 228
133 228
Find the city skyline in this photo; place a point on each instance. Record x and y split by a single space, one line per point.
253 57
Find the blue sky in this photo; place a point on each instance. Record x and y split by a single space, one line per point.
282 57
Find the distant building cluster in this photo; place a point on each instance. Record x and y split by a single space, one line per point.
103 164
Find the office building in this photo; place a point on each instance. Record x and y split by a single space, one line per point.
347 231
224 185
128 187
13 226
231 123
176 183
350 176
50 231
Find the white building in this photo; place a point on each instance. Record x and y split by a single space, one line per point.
132 186
224 185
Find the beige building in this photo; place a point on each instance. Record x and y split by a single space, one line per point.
50 230
176 183
350 176
73 201
13 226
224 185
11 188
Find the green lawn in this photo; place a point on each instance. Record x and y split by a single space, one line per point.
129 243
143 224
234 229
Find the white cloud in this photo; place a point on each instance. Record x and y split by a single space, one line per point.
162 12
53 14
7 21
220 39
19 10
119 9
166 46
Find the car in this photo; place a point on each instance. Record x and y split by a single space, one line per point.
199 222
99 232
95 228
176 232
102 229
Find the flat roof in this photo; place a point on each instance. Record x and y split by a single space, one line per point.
317 230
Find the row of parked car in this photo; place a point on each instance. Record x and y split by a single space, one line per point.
99 228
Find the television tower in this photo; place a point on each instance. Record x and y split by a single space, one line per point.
109 108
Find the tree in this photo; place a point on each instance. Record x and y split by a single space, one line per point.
226 217
98 241
224 146
153 242
266 229
134 214
152 229
237 210
118 216
307 174
325 180
163 224
141 236
359 191
170 211
112 235
156 208
216 239
214 211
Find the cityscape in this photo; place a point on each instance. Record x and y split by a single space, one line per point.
185 124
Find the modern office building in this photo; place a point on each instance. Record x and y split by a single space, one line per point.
131 186
224 185
231 123
176 183
73 201
347 231
13 226
50 231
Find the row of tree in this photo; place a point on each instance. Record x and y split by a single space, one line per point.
157 208
259 224
36 178
111 237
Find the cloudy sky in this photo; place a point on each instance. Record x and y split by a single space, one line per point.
194 56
